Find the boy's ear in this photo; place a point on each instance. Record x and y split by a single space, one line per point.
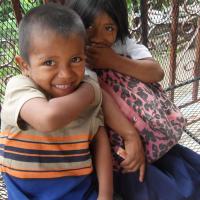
22 64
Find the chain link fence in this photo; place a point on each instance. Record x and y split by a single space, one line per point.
9 48
171 30
8 37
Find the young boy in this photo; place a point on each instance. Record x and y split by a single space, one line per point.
51 113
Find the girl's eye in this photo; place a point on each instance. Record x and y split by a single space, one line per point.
109 28
49 63
90 28
76 59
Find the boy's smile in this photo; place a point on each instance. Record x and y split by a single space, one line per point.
56 63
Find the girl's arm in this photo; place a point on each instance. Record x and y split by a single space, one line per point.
103 165
146 70
133 145
47 116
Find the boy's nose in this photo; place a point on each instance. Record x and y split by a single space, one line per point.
66 72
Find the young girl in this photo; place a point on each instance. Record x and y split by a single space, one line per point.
176 176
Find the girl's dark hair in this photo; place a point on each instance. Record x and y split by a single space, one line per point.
53 17
116 9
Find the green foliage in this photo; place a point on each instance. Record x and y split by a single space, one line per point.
8 28
5 11
27 4
129 3
133 5
8 31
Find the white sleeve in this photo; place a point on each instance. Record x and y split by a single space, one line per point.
136 51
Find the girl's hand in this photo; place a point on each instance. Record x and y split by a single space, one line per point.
100 57
135 157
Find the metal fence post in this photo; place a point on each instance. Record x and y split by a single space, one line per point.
173 44
196 65
144 20
17 10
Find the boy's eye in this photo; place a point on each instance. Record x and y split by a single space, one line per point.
76 59
49 63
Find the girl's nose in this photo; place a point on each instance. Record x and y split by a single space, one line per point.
96 37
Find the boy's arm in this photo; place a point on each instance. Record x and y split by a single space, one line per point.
103 165
133 145
47 116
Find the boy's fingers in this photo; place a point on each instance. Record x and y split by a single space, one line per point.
126 162
142 172
141 169
130 160
131 168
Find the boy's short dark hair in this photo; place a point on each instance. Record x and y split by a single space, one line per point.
116 9
53 17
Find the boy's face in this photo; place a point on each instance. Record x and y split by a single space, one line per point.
56 64
103 31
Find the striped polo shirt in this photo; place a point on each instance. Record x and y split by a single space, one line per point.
28 153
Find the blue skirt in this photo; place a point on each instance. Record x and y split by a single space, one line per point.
176 176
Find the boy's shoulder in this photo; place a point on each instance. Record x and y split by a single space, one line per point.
91 78
21 87
20 81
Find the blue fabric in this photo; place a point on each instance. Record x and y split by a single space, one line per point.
66 188
176 176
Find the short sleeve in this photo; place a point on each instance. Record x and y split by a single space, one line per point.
92 79
136 51
98 119
131 49
18 90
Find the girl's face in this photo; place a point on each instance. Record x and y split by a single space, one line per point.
103 31
56 64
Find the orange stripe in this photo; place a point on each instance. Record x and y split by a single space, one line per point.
3 140
20 174
36 146
32 137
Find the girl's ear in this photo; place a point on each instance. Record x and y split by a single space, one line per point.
23 65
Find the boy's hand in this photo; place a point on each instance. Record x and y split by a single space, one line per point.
105 197
99 57
135 157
